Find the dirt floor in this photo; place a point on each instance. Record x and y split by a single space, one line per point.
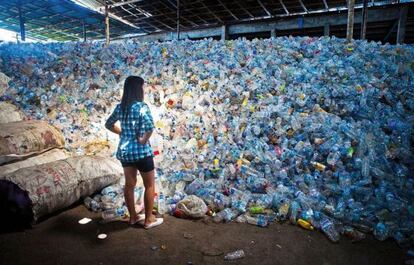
62 240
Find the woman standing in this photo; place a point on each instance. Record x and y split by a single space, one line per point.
134 151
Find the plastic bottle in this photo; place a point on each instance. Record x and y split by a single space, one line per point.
161 203
294 212
171 208
333 158
138 194
305 224
114 214
225 215
108 202
354 234
91 204
381 231
259 220
329 229
238 254
283 211
256 209
318 166
401 240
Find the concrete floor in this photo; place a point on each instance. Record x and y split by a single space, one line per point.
61 240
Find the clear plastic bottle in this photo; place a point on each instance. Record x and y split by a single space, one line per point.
161 203
91 204
259 220
114 214
401 240
238 254
381 232
329 229
225 215
294 212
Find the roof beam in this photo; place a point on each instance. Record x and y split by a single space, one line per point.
284 7
183 18
264 8
390 31
325 4
231 13
303 6
136 16
95 7
123 3
244 9
212 13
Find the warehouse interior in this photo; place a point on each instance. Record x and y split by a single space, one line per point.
280 131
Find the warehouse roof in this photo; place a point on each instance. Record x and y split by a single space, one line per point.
59 20
64 19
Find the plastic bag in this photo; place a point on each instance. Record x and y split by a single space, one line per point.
192 206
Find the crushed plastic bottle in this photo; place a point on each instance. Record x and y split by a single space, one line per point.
329 229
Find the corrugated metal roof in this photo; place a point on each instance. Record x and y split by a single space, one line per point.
63 19
60 20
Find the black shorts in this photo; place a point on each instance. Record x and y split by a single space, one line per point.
145 164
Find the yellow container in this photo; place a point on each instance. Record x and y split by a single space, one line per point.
305 224
319 166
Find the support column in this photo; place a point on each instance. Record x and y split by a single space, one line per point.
224 32
178 19
300 22
107 24
401 25
364 20
326 30
350 27
273 33
22 28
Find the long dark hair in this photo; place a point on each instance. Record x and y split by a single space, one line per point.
133 92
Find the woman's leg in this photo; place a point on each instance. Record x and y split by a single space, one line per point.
130 182
149 184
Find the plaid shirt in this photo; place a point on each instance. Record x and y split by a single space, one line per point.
134 123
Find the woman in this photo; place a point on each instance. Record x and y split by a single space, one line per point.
134 151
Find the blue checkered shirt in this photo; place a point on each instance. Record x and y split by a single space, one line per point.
136 121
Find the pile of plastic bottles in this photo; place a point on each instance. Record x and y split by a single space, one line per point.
309 130
111 203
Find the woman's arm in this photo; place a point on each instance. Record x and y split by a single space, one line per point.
115 128
111 124
144 139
